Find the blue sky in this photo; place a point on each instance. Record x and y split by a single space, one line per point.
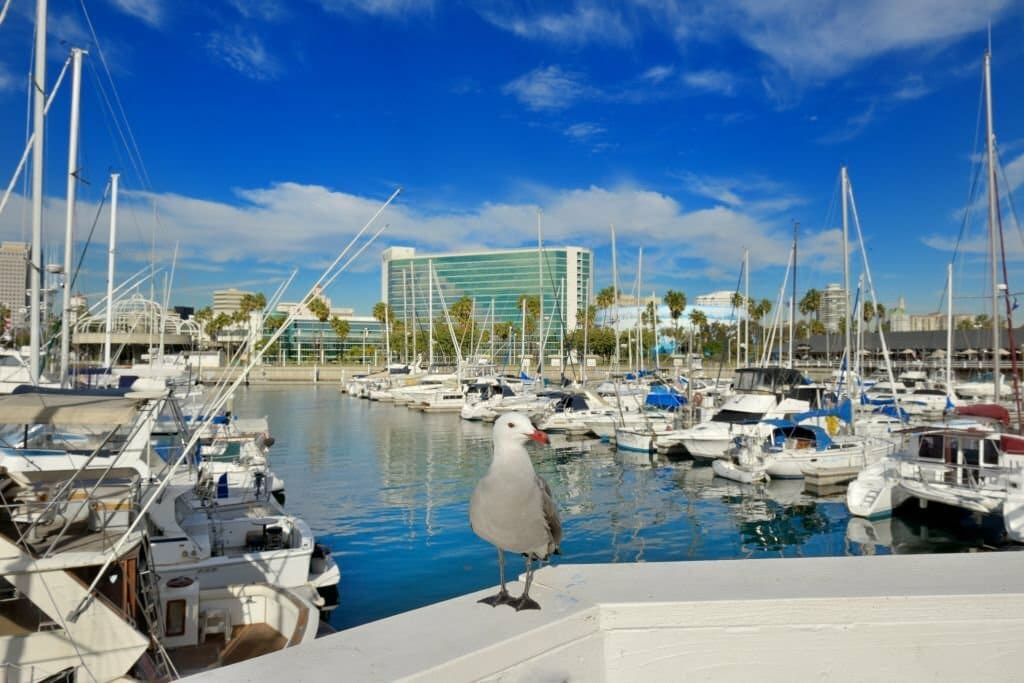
268 131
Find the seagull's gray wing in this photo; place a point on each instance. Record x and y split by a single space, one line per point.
550 515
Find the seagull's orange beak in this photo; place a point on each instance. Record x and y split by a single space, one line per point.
539 436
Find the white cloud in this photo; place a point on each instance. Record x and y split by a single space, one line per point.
148 11
913 87
852 127
387 8
267 10
833 37
245 53
549 88
657 74
584 23
7 80
711 80
584 131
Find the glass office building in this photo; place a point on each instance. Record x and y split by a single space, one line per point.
495 278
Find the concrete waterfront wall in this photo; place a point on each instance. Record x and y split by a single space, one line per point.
915 617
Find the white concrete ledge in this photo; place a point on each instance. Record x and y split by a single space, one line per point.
915 617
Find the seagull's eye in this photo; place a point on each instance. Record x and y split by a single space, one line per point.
512 424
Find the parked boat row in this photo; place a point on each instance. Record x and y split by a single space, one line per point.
115 563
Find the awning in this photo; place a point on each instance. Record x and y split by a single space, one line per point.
69 409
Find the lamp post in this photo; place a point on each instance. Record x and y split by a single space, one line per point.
365 332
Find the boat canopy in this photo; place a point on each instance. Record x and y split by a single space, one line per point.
78 409
772 380
989 410
804 433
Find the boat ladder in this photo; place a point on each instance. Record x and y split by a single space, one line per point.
149 585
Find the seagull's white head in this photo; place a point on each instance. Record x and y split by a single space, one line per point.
516 428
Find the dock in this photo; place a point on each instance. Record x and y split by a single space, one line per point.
908 617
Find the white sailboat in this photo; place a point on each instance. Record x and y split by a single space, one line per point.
969 464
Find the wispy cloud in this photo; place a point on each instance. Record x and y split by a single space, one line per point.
245 53
913 87
151 12
657 74
549 88
584 131
266 10
831 40
584 23
386 8
711 80
852 127
7 80
756 195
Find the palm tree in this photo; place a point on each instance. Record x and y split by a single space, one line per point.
606 298
676 302
758 310
341 328
699 322
319 308
382 311
811 303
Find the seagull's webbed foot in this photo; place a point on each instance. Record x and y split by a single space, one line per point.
524 602
502 598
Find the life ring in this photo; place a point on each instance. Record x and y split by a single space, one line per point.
698 399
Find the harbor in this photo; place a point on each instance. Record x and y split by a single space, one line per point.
562 351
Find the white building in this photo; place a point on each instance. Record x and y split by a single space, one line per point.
833 306
720 298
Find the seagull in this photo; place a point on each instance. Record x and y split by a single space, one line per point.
512 506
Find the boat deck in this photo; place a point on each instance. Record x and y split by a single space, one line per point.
248 641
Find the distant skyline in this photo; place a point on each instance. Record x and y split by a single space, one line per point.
259 135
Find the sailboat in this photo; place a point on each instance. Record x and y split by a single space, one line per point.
971 463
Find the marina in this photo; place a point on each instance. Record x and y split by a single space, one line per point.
507 446
388 489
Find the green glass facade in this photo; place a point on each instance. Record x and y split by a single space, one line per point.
563 274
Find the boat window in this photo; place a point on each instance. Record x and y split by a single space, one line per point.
736 417
971 451
10 362
175 618
989 454
930 447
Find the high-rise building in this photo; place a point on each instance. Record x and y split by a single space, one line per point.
563 275
833 306
14 272
228 300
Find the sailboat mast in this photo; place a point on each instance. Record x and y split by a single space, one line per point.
997 380
111 252
949 329
540 300
615 295
69 224
639 315
746 307
846 268
387 334
405 318
792 299
416 324
38 127
430 313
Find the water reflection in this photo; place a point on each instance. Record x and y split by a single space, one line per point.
388 489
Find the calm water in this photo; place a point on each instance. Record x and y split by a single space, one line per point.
388 490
